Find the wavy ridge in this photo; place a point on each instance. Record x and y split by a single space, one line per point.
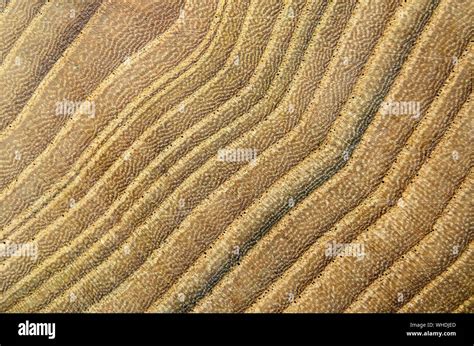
240 156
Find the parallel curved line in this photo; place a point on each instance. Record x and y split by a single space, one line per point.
105 140
121 71
460 120
331 139
419 243
443 293
7 44
329 15
25 51
233 178
357 117
97 88
466 306
240 258
437 239
373 200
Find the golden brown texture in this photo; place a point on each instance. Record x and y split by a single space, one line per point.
348 187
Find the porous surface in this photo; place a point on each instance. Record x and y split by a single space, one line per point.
236 156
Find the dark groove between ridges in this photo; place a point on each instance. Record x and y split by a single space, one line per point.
331 171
